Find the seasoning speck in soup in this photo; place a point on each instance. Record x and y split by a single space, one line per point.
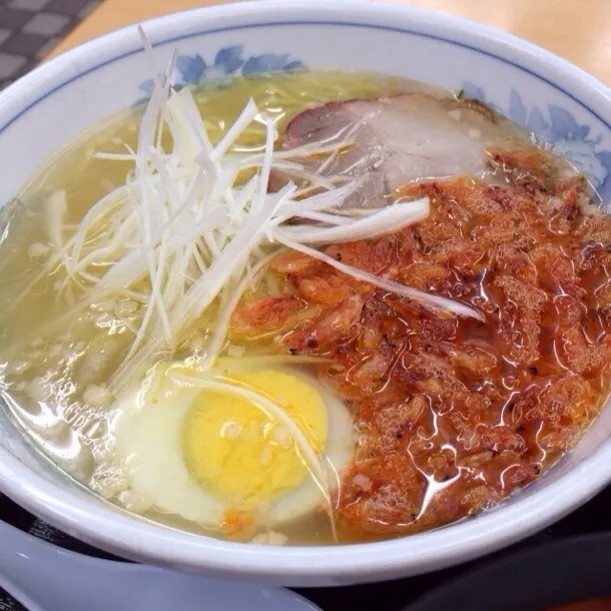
311 308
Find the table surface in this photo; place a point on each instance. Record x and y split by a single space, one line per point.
578 30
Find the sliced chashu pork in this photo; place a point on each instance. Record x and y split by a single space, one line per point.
398 140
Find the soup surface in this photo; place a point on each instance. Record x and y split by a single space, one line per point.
415 326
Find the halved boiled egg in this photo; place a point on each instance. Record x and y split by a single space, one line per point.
214 452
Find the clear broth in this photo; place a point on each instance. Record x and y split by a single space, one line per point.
42 359
49 365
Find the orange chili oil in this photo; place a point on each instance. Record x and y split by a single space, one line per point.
454 414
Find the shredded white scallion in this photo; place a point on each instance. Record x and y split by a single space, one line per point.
189 229
433 301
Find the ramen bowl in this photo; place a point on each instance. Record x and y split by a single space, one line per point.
67 96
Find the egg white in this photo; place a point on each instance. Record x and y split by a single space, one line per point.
148 450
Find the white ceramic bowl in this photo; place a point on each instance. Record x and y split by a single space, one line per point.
49 107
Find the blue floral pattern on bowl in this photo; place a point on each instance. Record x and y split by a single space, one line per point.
559 128
556 126
229 61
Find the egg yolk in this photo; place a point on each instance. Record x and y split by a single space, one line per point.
238 453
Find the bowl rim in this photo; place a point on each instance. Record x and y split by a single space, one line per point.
315 565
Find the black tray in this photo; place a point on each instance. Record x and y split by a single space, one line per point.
389 596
